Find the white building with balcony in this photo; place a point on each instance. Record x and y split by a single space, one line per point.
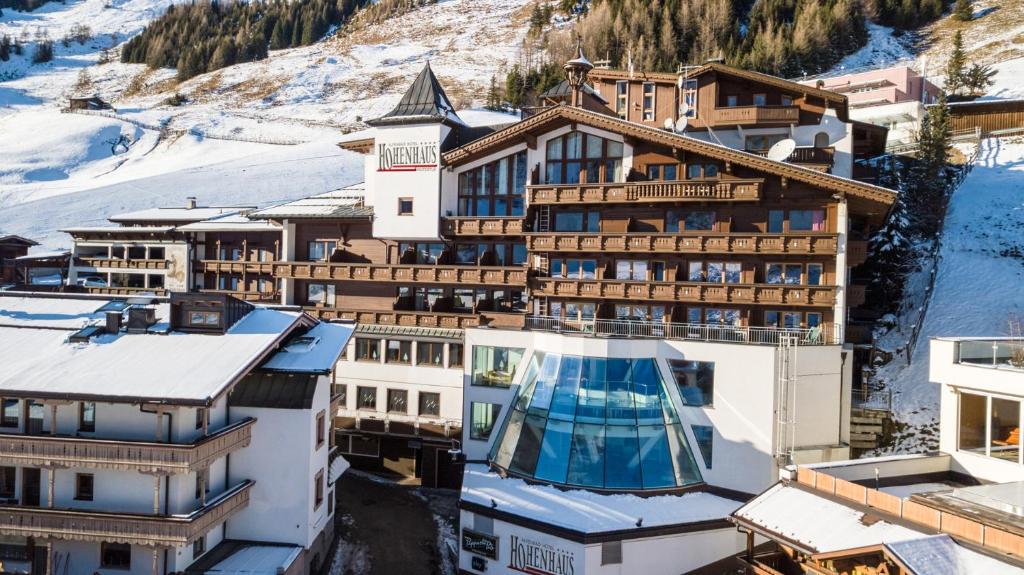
144 436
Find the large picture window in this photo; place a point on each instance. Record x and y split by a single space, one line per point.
495 366
494 189
482 419
568 156
695 380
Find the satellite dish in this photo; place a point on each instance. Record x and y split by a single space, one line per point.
669 125
782 150
684 109
681 124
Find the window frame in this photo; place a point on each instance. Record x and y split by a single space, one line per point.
85 487
7 421
84 425
106 546
403 346
359 398
404 394
401 206
649 91
318 490
321 429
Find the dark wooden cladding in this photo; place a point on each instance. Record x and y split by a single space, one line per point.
420 318
711 243
482 226
856 252
719 190
435 274
689 292
856 295
988 116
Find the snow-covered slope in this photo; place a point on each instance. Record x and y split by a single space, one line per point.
980 281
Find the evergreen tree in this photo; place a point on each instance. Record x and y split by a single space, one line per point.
515 87
43 52
955 66
493 96
963 10
927 179
978 78
5 48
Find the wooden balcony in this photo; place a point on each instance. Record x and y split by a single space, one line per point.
115 263
751 115
421 318
435 274
689 292
810 155
856 295
274 296
124 290
720 243
483 226
718 190
140 456
132 528
235 267
856 252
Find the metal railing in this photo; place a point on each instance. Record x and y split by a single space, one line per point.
627 328
1000 353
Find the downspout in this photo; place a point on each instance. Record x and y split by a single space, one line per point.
227 470
842 373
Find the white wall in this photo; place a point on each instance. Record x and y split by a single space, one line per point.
385 185
176 274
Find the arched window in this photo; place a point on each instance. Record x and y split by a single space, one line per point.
821 140
577 157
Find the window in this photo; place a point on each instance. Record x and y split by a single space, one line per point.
204 319
405 206
430 353
731 101
430 403
698 171
200 417
813 319
136 252
494 189
635 270
783 273
198 547
688 103
568 155
654 313
807 220
9 414
87 416
578 221
342 390
155 280
715 272
202 484
622 98
821 140
1004 440
366 397
83 486
8 477
398 352
762 143
495 366
776 219
699 221
115 555
482 419
318 490
321 429
783 319
663 172
421 253
321 250
973 413
611 553
649 90
722 316
367 349
704 434
787 100
573 268
455 355
156 253
696 381
760 99
814 274
398 401
320 294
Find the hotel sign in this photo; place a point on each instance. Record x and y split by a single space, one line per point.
407 156
536 558
484 545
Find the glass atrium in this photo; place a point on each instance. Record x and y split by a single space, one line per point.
595 423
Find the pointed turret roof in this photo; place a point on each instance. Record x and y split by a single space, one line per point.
424 101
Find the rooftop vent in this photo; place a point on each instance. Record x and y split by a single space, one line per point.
140 319
83 335
190 202
113 322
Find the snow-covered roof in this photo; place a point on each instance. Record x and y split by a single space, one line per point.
480 118
44 255
119 230
175 367
588 511
314 352
941 555
343 203
233 222
817 523
177 214
255 559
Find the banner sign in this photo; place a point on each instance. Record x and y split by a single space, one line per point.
485 545
407 156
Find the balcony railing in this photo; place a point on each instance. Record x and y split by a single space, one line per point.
997 353
128 455
742 243
475 275
259 296
482 226
632 329
856 294
809 155
120 263
747 115
235 266
856 252
770 294
420 318
125 290
627 192
131 528
397 424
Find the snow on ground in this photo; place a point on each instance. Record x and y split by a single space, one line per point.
447 543
978 287
1009 81
350 558
882 48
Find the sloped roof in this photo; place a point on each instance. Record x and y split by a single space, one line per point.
425 100
277 390
346 203
563 90
562 114
15 239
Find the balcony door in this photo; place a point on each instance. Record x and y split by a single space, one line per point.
34 417
30 486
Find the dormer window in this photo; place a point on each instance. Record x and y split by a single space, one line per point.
204 318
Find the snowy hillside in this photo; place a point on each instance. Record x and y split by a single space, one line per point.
978 287
307 96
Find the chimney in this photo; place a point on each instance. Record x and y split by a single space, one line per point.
190 202
576 71
140 319
113 324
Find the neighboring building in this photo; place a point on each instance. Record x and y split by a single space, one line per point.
88 103
11 248
42 271
891 97
960 507
149 437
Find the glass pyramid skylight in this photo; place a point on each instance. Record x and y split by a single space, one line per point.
596 423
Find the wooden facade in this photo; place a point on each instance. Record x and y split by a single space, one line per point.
12 247
988 116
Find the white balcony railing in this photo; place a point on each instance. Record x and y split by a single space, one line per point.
700 332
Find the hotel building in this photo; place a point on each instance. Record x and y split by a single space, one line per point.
135 435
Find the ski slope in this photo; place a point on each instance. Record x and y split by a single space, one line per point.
980 281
